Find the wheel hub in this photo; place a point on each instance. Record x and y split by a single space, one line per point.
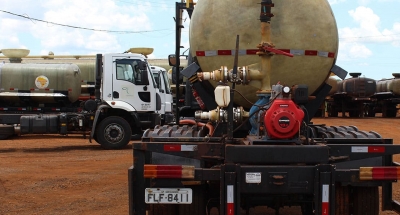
114 133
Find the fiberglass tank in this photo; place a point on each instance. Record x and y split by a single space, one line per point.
40 83
306 28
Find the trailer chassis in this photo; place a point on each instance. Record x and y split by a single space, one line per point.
286 171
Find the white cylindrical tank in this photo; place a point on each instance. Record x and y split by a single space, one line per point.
306 28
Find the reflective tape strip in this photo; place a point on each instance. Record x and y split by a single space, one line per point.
325 199
180 148
297 52
230 203
368 149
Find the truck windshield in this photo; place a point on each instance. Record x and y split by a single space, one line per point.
128 70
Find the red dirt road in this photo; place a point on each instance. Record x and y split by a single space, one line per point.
46 174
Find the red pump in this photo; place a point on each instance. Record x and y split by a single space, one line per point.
283 119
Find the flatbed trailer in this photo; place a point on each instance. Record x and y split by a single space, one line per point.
335 175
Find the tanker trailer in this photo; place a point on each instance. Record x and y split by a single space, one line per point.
355 97
387 97
314 44
287 161
44 99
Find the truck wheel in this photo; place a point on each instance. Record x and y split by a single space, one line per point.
198 206
342 200
163 209
366 201
113 132
6 131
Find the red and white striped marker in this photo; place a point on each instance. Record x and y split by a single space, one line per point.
180 148
368 149
230 202
325 199
296 52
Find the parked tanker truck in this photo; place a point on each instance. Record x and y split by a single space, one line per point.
353 95
47 99
199 166
387 97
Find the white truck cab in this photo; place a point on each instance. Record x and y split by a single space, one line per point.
130 99
130 85
161 79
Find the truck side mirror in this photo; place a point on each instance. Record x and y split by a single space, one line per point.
141 77
172 60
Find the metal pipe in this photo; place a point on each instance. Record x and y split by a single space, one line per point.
265 17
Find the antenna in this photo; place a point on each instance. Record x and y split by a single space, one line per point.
230 107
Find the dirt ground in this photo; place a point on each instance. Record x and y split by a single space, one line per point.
49 174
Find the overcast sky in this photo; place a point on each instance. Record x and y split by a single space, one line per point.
369 30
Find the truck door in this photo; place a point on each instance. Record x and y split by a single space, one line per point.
161 87
168 93
133 84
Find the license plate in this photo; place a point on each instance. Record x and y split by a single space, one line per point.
168 196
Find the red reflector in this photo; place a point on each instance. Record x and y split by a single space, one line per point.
172 148
224 52
251 51
168 171
385 173
331 55
181 100
200 53
47 89
285 50
376 149
11 88
311 52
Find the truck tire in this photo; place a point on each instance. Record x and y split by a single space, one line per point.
366 201
6 131
199 202
342 200
163 209
113 132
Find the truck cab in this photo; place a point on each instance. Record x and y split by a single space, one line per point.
161 79
130 85
130 95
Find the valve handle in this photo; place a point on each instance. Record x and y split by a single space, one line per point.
277 51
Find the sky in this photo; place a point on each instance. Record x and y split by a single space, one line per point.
369 30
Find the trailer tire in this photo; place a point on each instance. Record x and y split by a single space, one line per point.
164 209
113 132
366 201
342 200
199 202
6 131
